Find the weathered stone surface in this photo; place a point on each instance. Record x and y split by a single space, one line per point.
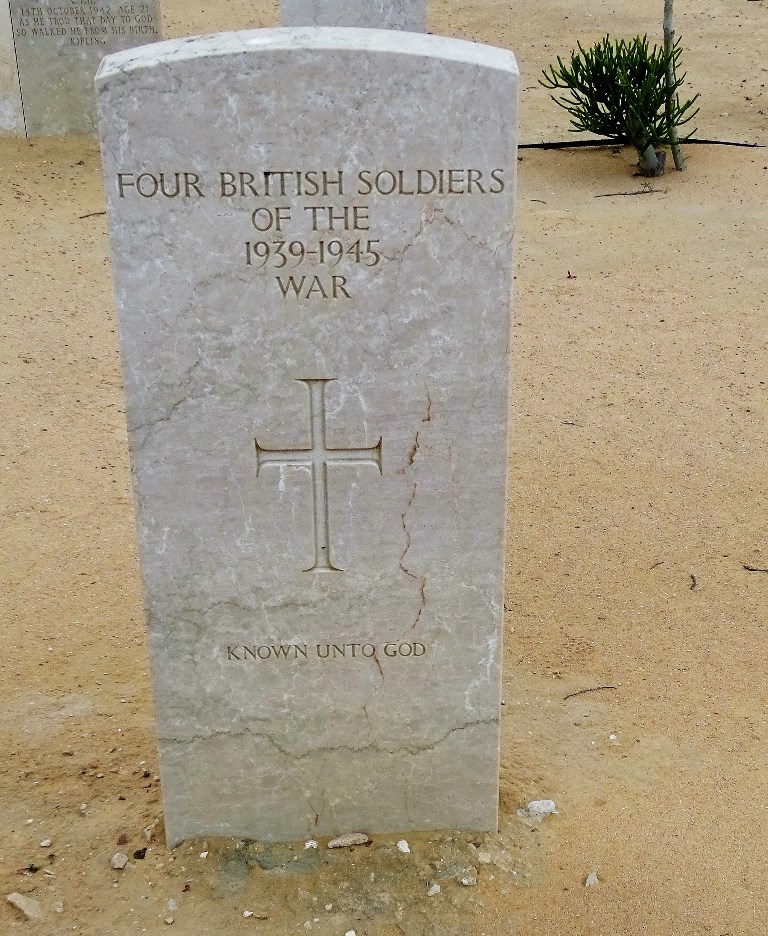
368 14
11 117
316 359
59 47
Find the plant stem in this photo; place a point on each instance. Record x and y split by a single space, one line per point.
649 162
669 45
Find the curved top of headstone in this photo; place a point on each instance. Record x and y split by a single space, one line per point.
304 39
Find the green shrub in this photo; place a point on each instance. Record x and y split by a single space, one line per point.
617 89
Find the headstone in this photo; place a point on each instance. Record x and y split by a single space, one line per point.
371 14
313 291
11 116
56 48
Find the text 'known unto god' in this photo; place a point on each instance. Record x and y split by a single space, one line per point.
324 651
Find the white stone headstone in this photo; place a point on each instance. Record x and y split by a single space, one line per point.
11 116
311 232
368 14
50 55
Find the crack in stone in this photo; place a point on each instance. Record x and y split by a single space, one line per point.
428 214
204 611
471 239
154 423
413 451
428 416
419 579
410 749
167 416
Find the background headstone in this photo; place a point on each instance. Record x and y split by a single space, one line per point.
11 116
313 289
58 48
369 14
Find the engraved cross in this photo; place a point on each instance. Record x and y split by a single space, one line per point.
317 458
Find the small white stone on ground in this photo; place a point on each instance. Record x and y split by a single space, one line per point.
538 809
169 920
204 854
351 838
46 843
26 905
592 879
435 889
350 933
329 907
310 844
247 913
404 847
119 861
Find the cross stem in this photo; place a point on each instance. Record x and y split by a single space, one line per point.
317 458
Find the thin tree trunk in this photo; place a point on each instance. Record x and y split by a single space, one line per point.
669 44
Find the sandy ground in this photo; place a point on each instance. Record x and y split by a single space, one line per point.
637 500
